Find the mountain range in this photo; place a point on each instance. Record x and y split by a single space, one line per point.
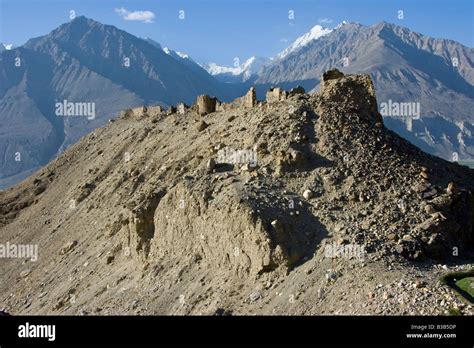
247 71
84 61
406 67
435 74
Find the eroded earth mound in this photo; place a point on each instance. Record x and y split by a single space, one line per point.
301 204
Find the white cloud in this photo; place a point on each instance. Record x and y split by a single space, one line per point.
325 21
141 16
283 39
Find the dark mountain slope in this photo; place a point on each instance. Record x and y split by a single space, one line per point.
84 61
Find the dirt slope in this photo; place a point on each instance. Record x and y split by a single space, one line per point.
144 217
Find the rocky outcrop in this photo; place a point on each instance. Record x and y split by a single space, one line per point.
350 94
142 225
333 74
297 90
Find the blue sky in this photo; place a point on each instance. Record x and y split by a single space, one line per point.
220 30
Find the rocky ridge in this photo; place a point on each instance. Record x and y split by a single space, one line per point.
301 204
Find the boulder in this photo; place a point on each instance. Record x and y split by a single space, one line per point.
332 74
201 125
297 90
68 247
308 194
451 188
211 164
126 113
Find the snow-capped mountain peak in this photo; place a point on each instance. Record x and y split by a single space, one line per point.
214 69
315 33
153 42
5 47
242 72
171 52
341 24
168 51
252 66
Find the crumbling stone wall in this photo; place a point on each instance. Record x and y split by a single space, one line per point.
276 94
350 94
181 108
250 99
206 104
